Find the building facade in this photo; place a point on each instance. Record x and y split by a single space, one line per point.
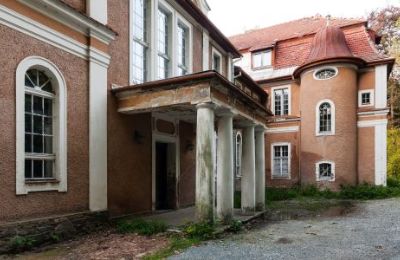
327 88
118 105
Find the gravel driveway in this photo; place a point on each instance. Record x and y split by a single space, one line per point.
372 231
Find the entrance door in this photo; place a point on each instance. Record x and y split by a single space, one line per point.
165 176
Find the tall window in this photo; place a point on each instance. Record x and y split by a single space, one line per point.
39 117
325 118
41 128
163 44
216 61
140 41
261 59
183 36
238 155
280 161
325 171
281 102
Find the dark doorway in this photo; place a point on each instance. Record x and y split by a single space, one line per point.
165 176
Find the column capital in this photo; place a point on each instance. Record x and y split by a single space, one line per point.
260 128
209 105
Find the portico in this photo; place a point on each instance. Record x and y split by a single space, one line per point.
215 107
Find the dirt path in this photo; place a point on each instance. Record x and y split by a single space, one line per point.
372 231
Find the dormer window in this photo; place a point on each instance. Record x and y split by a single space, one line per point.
262 59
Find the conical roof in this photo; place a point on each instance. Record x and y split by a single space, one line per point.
329 45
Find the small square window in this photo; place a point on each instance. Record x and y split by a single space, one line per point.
366 98
325 171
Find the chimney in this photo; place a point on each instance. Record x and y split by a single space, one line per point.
97 9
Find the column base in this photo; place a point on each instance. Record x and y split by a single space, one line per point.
260 207
248 211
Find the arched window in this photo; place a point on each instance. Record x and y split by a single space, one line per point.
41 127
325 171
238 155
325 118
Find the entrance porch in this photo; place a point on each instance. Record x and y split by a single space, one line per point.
215 107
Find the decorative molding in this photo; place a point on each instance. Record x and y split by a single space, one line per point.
45 34
372 123
279 130
381 86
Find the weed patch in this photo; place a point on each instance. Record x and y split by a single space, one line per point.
21 243
141 227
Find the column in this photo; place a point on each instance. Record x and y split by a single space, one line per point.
260 169
225 168
248 171
205 154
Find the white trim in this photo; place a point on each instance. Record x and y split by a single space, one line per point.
215 52
289 87
45 34
284 129
372 123
333 117
180 19
380 154
97 9
206 51
60 128
375 112
169 139
372 98
381 86
332 168
289 145
325 68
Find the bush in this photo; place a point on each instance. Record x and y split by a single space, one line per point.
235 226
393 149
201 230
21 243
141 227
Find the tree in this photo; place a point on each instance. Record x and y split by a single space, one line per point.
386 23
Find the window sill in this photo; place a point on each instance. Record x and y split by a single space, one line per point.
280 178
326 180
325 134
33 182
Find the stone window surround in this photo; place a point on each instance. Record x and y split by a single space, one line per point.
372 98
152 61
289 145
60 133
332 179
317 118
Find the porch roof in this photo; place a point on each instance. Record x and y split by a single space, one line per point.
183 93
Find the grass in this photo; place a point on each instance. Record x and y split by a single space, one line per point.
141 227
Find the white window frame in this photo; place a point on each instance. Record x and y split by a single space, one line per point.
261 53
324 68
60 128
289 87
238 155
215 52
152 62
289 145
372 98
332 179
317 119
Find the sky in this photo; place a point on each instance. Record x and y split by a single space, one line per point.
236 16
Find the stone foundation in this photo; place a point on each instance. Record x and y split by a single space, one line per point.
19 236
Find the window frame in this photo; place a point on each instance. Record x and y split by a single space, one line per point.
317 118
273 89
273 145
325 68
317 175
372 98
216 53
170 40
238 155
59 182
253 67
180 20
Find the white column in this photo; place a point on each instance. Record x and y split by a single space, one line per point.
97 9
205 154
260 169
248 171
225 168
381 153
97 136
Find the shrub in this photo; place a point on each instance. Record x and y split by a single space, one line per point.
201 230
393 149
235 226
141 227
21 243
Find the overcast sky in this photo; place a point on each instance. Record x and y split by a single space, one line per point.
236 16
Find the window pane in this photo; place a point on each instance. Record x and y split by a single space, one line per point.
48 126
38 144
28 169
266 58
28 143
37 169
257 60
139 23
48 144
278 102
48 107
28 103
37 105
325 118
31 76
37 124
285 101
217 63
48 169
28 123
139 62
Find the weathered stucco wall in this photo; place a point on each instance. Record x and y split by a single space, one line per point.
75 70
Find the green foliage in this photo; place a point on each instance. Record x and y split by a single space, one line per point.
141 227
201 230
21 243
177 245
235 226
393 150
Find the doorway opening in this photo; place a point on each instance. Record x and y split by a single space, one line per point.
165 176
